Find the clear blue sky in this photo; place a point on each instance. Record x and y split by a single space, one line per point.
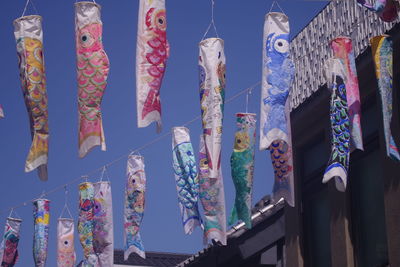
239 23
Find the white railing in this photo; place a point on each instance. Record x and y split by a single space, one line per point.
310 48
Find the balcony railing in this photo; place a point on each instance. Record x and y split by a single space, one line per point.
310 48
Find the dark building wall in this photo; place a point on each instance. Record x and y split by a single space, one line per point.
316 203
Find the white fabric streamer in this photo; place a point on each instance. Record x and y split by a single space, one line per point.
277 76
212 97
65 243
103 232
134 206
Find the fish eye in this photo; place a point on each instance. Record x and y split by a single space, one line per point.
84 38
281 45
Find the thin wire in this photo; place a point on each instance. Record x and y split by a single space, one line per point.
212 22
102 168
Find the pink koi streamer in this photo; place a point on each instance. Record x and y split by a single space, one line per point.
152 52
92 69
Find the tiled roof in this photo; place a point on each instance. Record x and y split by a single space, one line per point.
159 259
262 210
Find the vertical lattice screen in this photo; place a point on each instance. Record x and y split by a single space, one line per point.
310 48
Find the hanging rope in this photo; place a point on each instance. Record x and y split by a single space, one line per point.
103 168
277 4
106 173
65 208
26 6
12 211
247 99
212 22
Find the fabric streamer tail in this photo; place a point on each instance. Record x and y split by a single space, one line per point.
382 51
242 167
152 51
212 99
277 77
282 162
1 112
29 37
103 230
338 164
92 70
387 10
9 244
86 224
65 243
343 50
41 217
212 198
134 206
186 178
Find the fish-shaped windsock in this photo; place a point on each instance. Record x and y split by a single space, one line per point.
86 223
212 197
92 70
1 112
212 99
135 189
9 245
343 49
282 162
387 10
29 36
382 51
277 77
242 167
152 51
186 178
103 230
338 164
41 218
65 243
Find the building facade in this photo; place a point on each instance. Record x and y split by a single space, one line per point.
327 228
360 227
